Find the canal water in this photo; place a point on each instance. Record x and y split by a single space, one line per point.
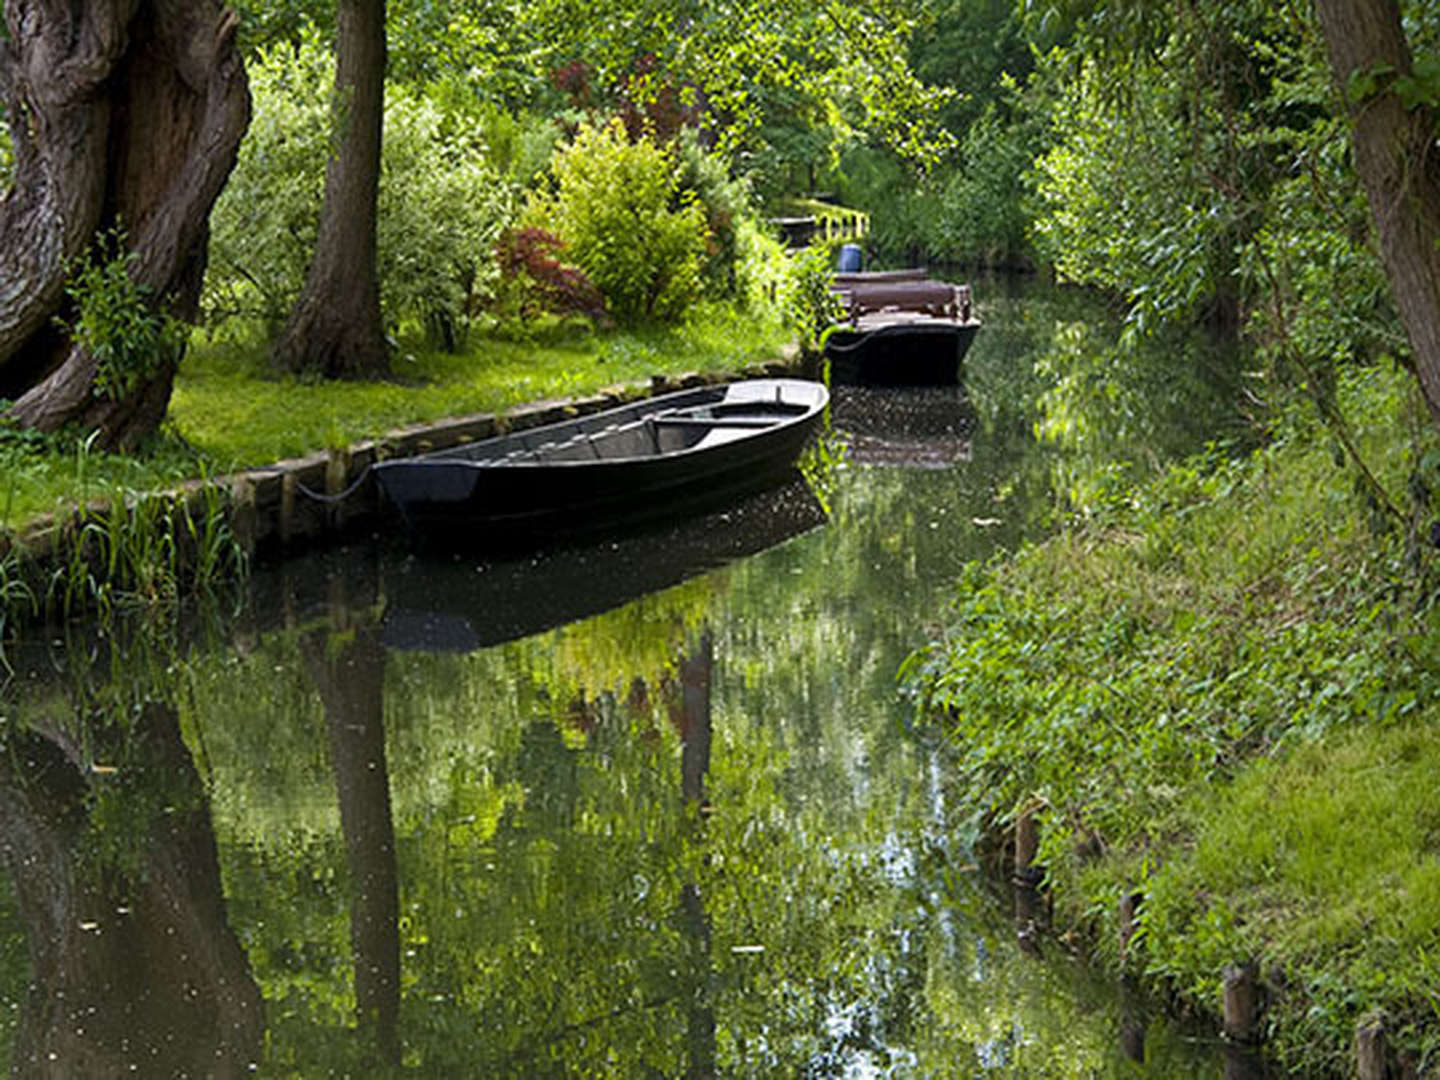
651 807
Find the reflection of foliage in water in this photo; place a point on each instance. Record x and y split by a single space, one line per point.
14 971
564 911
1121 411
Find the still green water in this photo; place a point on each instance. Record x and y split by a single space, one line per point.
648 808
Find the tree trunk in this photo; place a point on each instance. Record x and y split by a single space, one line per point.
123 113
335 329
1396 160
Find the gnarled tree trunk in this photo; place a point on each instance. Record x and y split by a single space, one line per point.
335 329
1398 162
123 113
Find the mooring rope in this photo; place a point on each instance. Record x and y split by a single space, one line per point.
340 497
868 336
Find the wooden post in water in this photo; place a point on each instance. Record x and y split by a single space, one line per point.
1027 845
244 517
1129 923
337 472
1371 1049
1241 1006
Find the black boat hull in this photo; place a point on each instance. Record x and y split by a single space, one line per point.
909 353
562 480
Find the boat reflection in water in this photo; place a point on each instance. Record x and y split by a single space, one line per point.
403 810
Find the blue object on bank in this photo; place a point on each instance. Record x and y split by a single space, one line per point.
852 259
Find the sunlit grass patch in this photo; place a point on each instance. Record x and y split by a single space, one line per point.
232 409
1323 866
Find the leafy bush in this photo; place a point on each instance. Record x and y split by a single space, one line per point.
762 269
984 217
809 304
726 203
617 205
441 207
534 279
441 204
116 321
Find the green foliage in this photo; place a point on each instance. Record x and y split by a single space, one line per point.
976 210
1234 621
263 226
117 323
754 68
441 208
725 201
762 268
618 206
143 551
1326 301
810 304
1126 207
984 208
441 203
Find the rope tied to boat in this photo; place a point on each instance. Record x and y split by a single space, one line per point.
321 497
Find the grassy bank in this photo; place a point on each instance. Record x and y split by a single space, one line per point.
229 410
1222 692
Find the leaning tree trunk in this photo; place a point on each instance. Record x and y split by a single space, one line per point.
123 113
335 329
1397 161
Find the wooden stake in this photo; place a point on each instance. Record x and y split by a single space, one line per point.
1129 922
1027 844
1241 1003
1371 1049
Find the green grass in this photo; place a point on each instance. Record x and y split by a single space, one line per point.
1222 689
229 411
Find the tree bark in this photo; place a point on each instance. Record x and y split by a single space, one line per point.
335 329
1396 160
124 113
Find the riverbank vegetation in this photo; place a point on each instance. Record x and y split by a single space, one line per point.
1218 691
1214 684
1215 687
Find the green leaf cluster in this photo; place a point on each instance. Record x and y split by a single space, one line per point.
117 323
619 207
441 203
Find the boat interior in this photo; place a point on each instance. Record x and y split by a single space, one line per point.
645 435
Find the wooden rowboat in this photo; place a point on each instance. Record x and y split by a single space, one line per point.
654 458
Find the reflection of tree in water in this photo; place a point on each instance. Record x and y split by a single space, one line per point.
347 664
689 708
134 967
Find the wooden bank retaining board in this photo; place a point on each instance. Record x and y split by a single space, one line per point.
286 506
